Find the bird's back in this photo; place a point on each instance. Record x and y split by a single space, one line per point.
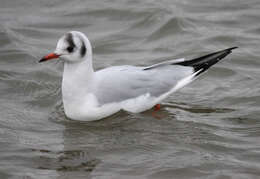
121 83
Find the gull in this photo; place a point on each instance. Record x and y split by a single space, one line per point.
89 95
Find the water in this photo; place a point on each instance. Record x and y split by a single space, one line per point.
210 129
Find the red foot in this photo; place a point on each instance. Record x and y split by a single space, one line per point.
157 107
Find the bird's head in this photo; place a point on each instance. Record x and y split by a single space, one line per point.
72 47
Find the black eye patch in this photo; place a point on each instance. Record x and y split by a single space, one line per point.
70 49
71 43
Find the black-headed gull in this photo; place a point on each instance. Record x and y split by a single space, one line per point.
91 95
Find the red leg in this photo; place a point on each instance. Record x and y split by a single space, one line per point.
157 107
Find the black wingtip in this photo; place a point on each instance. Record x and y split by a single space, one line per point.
225 50
212 59
230 49
203 63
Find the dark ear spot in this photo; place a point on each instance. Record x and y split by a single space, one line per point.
83 49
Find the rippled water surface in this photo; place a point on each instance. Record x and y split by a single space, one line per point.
209 129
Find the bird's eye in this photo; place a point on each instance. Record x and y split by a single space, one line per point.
70 49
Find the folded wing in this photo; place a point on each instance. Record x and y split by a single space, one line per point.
120 83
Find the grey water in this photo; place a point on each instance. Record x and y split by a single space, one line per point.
209 129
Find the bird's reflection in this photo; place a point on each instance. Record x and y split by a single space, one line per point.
87 146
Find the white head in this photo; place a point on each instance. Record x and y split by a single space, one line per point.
72 47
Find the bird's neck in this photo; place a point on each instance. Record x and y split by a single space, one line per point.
77 81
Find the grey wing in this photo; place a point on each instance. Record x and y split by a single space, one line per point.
120 83
124 82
